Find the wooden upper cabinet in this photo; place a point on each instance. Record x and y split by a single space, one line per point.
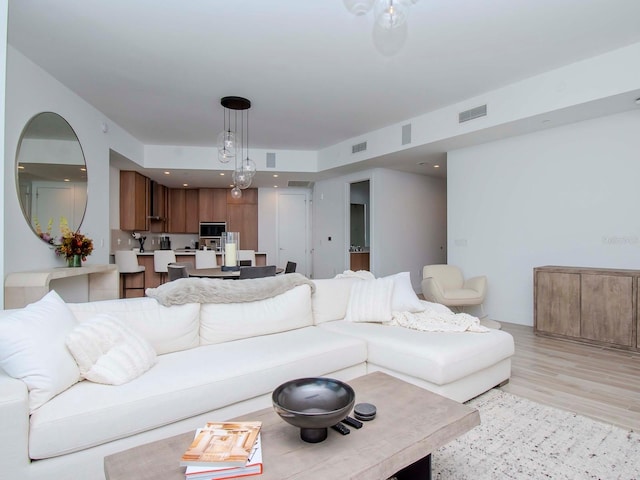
249 197
182 211
134 201
244 219
192 222
212 205
177 204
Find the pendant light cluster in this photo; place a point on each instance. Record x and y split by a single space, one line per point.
233 142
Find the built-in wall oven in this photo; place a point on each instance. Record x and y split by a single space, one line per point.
211 234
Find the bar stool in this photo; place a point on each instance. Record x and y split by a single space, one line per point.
127 263
162 258
206 259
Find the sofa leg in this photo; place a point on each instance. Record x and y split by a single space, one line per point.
502 384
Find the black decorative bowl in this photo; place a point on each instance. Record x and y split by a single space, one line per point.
313 405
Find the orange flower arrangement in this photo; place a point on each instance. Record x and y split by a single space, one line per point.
73 243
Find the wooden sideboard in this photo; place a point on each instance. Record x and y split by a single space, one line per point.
591 305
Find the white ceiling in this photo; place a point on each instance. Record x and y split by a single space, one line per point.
310 68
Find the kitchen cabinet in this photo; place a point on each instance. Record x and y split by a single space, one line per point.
134 201
242 216
212 204
359 261
182 213
591 305
192 220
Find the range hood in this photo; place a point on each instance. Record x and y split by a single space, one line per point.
153 200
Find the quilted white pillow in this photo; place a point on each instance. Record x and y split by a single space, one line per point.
404 298
32 348
370 301
108 351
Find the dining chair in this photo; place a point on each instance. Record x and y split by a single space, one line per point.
162 258
127 263
176 271
206 259
247 255
291 267
257 272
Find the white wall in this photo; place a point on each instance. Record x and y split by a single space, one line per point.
29 91
408 223
4 6
564 196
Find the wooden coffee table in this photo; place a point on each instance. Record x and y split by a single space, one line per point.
410 424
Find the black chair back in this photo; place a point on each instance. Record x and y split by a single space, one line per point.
176 271
291 267
257 272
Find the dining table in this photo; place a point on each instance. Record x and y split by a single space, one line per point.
217 272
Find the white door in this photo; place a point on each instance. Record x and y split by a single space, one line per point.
293 230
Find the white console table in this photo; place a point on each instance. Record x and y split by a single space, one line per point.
22 288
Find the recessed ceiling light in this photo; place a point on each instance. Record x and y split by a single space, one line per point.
275 186
436 166
222 174
20 167
167 173
275 175
185 184
67 180
83 169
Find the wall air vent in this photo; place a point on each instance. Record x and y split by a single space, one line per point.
271 160
299 183
360 147
472 113
406 134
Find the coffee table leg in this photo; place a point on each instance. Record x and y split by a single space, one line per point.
419 470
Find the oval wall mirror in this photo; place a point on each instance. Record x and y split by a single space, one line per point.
51 175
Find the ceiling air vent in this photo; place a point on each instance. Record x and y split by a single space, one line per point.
406 134
360 147
472 113
271 160
299 183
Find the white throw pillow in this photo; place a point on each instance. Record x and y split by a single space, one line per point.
370 301
32 348
108 351
404 298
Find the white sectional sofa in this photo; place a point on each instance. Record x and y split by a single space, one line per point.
216 361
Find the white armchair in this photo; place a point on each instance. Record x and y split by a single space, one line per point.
445 284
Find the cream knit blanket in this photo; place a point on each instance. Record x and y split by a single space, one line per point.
210 290
437 320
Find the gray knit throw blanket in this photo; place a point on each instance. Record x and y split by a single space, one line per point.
215 290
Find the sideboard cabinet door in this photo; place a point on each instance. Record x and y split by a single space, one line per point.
557 303
607 309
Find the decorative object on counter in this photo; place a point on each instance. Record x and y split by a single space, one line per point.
75 246
141 239
232 143
313 405
230 247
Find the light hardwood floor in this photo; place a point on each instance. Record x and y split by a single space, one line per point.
597 382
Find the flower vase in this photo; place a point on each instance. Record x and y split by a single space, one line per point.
74 261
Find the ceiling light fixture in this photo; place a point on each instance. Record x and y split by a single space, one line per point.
233 141
390 21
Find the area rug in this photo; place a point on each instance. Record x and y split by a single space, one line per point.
522 439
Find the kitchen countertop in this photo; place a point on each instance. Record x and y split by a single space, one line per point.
184 252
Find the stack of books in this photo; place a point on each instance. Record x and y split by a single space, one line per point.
224 450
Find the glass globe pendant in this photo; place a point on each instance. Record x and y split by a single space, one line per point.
226 146
249 167
241 179
390 14
236 192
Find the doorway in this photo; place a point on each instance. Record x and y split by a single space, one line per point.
359 226
293 230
